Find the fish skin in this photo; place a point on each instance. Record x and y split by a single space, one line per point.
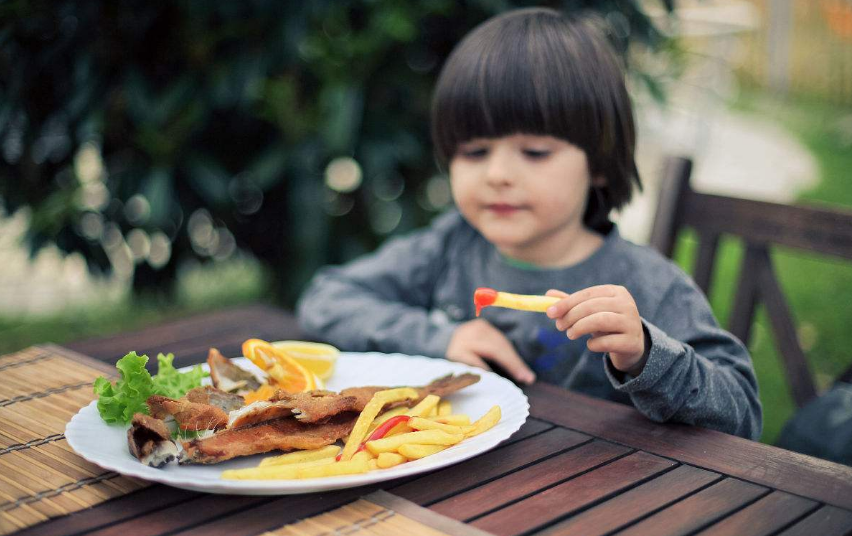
279 434
191 416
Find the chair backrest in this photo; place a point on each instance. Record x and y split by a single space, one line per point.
760 225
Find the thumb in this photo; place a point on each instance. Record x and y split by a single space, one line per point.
470 358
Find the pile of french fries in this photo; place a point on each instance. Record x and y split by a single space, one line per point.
431 427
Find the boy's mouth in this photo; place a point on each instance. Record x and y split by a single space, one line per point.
503 209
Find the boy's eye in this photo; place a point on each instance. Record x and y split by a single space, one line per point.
536 154
474 152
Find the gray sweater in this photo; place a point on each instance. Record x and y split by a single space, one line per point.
411 293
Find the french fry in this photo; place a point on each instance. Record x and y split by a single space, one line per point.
301 456
365 455
373 407
424 406
390 459
422 409
483 297
419 423
434 411
455 420
314 469
387 415
445 408
487 421
414 451
373 464
425 437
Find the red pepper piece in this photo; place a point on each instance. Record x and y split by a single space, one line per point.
483 297
380 431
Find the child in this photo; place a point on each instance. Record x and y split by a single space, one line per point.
532 116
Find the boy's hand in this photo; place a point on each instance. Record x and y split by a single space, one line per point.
477 342
608 313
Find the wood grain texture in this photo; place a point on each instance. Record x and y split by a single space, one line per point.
826 521
498 462
770 466
634 504
520 484
700 510
551 504
763 517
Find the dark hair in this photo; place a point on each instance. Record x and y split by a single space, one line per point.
538 71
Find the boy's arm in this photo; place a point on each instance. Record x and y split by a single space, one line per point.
382 301
696 372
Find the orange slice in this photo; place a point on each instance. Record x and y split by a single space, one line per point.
317 357
282 371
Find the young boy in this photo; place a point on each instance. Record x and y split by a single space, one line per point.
532 116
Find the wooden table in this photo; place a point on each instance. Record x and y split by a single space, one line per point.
578 466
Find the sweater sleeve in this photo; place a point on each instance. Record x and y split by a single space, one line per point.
696 372
382 301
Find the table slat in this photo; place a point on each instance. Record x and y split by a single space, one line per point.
699 510
632 505
547 506
498 462
520 484
827 521
766 465
763 517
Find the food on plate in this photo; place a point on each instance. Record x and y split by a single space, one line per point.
282 371
317 357
187 414
228 377
485 297
378 427
150 441
277 434
382 449
118 402
318 405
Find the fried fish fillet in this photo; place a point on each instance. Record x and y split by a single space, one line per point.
316 406
279 434
188 415
215 397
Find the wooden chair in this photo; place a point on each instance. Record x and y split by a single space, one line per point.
760 225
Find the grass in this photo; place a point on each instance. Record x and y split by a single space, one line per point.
202 288
816 287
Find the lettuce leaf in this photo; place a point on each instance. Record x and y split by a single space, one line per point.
173 384
118 402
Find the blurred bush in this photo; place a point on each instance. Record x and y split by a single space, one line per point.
146 134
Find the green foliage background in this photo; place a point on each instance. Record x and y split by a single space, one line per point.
231 111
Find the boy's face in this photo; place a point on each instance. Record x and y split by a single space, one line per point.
525 194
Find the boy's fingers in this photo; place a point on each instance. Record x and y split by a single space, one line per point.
616 343
590 307
570 301
605 322
506 356
471 359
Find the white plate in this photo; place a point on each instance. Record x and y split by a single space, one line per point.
106 445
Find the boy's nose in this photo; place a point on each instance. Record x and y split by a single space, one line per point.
498 171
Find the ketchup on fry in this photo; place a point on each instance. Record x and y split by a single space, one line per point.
379 432
483 297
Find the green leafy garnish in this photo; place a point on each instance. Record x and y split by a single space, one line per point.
118 402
